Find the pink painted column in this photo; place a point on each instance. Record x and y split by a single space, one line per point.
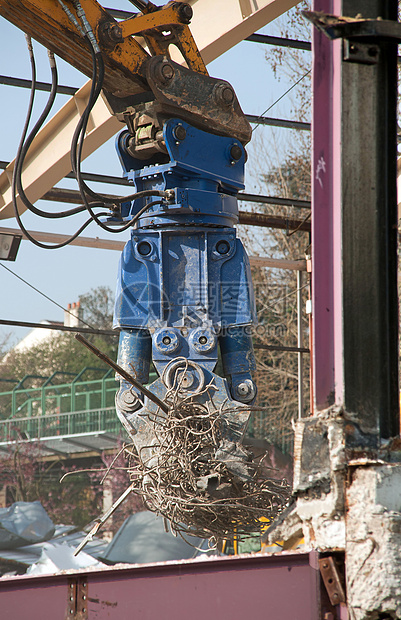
326 215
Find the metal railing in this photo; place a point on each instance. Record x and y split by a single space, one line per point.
60 425
56 398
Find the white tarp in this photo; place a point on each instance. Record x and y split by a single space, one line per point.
24 523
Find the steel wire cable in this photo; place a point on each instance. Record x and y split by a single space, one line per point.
43 294
280 98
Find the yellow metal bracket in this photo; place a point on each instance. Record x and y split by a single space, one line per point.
165 27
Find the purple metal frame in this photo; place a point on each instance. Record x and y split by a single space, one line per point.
326 215
285 586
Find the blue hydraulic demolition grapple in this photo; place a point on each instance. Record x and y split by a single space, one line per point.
184 288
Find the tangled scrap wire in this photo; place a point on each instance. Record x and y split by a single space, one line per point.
180 478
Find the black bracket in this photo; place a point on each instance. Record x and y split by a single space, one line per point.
362 37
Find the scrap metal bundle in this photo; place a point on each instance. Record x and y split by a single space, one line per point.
204 484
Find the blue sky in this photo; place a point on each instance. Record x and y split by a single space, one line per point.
66 273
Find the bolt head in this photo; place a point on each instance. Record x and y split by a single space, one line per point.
127 401
110 34
224 94
128 398
236 152
227 95
166 341
115 33
144 248
243 389
185 379
202 340
167 71
223 247
185 12
179 133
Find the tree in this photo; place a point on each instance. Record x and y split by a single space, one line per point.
292 64
62 352
27 476
4 344
98 308
71 493
115 480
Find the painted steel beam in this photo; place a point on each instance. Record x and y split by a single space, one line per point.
278 122
111 244
280 41
85 242
216 27
255 586
369 236
48 159
258 198
328 379
278 263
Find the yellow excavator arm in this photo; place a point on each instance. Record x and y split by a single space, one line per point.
52 24
140 78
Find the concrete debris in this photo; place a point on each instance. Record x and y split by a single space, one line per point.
31 543
373 543
352 507
319 478
142 538
287 527
18 561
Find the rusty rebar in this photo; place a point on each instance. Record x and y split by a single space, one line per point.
124 374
